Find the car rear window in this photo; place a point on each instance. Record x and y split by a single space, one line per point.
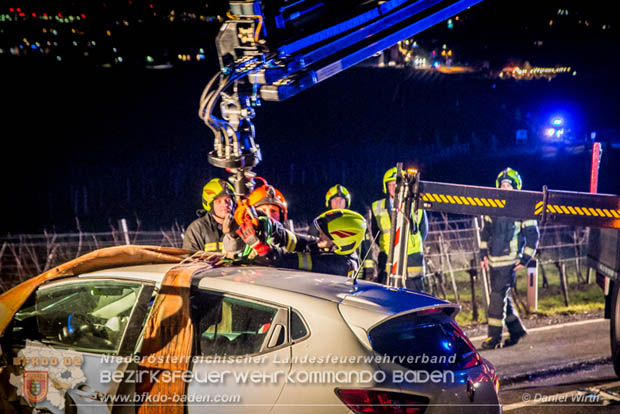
422 342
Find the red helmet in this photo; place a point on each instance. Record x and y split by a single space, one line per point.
267 194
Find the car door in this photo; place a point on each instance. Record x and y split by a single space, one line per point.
69 338
242 353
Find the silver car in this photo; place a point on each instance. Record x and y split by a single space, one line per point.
238 340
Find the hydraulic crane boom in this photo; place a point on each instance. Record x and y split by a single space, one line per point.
272 50
297 44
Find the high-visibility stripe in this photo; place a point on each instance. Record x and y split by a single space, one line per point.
291 243
576 210
530 223
414 270
212 247
499 261
469 201
369 264
529 251
484 244
495 322
304 261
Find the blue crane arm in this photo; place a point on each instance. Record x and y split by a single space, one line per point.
289 46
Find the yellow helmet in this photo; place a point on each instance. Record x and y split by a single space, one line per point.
214 189
510 175
337 191
344 227
390 175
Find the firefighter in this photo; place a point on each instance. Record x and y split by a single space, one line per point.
340 233
337 197
205 233
506 245
270 202
380 231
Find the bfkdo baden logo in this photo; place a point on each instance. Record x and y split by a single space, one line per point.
35 385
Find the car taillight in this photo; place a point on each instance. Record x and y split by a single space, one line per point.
472 358
366 401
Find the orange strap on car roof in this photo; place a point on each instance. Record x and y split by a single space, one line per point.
13 299
168 339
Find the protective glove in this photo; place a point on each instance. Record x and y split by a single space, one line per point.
247 232
229 226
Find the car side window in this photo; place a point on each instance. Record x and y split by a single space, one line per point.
86 315
227 325
298 328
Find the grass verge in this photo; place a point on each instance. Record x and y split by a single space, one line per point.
582 298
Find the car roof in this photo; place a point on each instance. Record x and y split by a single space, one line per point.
267 281
147 273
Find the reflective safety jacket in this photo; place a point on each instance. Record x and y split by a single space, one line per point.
381 226
312 260
204 234
506 240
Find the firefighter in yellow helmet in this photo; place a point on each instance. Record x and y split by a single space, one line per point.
341 232
506 245
205 233
380 231
337 197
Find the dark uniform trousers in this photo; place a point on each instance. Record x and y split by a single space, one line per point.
501 305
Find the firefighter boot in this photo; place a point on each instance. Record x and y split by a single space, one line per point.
517 331
491 343
494 340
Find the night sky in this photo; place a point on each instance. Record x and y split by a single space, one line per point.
97 143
